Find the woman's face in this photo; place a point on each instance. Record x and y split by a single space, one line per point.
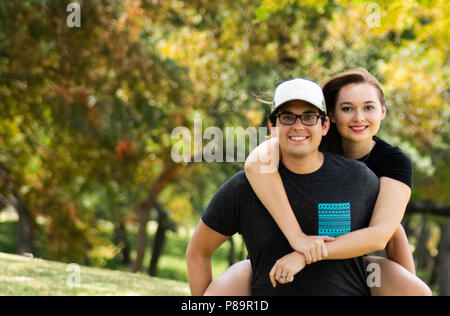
358 112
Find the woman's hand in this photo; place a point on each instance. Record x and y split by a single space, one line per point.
312 247
286 268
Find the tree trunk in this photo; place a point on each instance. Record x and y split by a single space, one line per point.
422 254
164 223
143 213
443 261
158 243
25 225
25 236
121 240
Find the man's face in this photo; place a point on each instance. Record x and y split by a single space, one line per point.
299 140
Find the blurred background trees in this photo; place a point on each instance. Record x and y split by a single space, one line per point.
86 114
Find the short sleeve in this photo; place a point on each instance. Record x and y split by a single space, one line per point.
223 211
399 168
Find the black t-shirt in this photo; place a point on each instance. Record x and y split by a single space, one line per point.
334 200
388 161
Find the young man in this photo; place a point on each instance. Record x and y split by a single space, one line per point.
330 196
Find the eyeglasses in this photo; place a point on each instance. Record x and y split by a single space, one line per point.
307 119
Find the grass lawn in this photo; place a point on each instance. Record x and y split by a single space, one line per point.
172 263
24 276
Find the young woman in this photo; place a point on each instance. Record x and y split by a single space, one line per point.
356 105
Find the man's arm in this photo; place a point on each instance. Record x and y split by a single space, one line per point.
202 245
286 268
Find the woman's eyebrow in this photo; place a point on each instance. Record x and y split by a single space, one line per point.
350 103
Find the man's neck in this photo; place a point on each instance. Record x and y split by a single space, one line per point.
303 165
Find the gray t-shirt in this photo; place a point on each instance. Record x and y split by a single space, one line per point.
334 200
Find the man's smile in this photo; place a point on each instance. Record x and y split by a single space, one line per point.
298 139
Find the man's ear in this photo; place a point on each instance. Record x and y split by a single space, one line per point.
269 123
274 130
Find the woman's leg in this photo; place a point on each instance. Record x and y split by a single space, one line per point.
399 251
396 280
235 281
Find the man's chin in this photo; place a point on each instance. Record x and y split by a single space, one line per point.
297 154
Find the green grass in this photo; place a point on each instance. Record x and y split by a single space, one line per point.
172 263
24 276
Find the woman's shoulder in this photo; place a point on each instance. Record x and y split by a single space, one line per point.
386 152
389 161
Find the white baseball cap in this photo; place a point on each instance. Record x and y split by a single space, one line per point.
299 89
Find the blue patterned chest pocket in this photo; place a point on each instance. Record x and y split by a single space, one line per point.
334 219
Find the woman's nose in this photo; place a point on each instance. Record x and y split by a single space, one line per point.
358 116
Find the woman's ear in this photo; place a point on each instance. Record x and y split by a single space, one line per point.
332 117
383 112
325 125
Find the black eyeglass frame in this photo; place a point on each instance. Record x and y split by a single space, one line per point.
300 116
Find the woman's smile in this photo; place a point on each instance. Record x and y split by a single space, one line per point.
359 128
